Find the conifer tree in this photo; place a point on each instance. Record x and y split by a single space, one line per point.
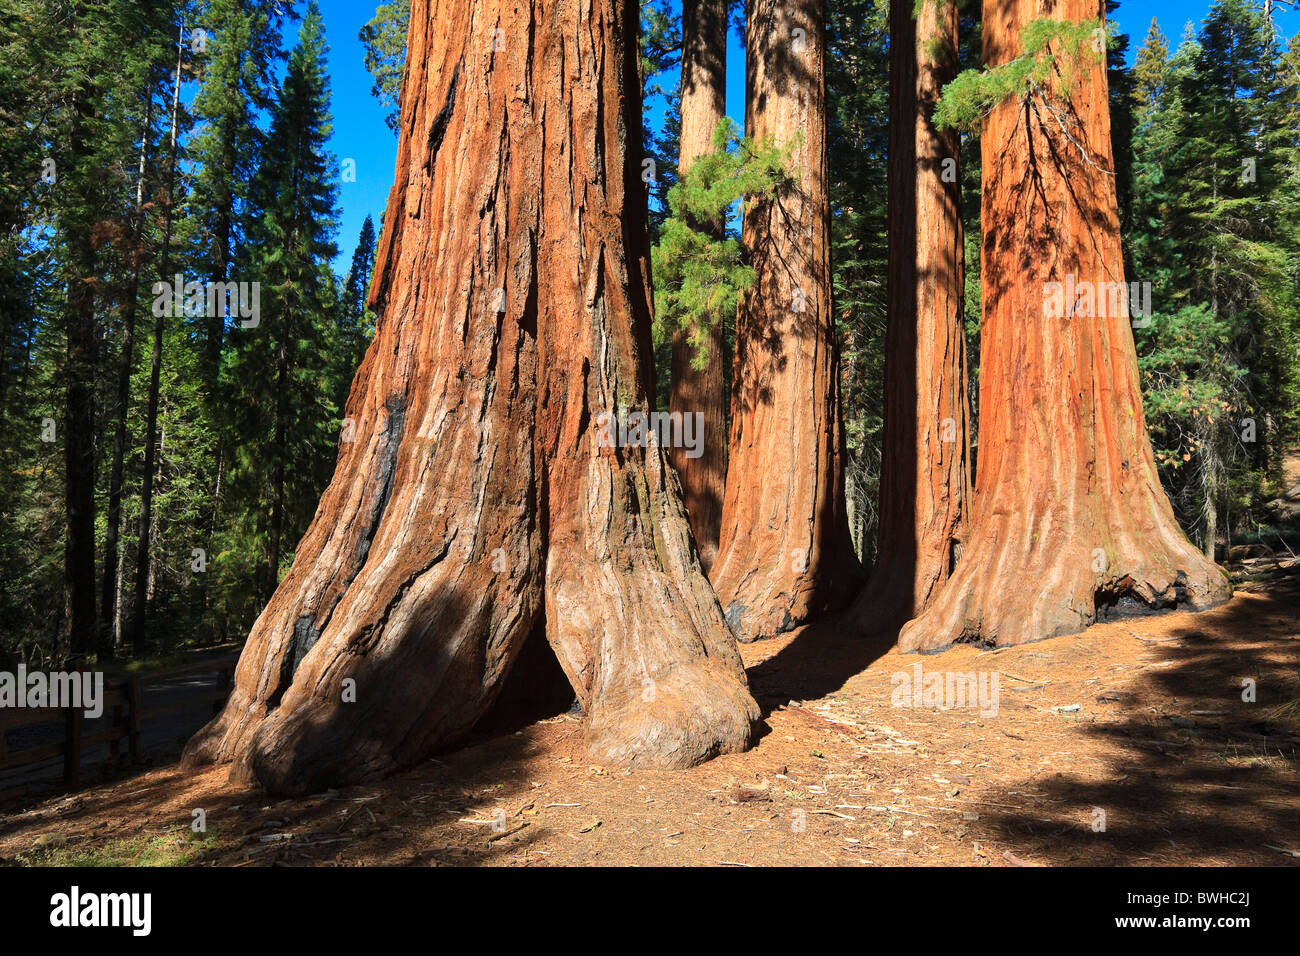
236 47
356 321
281 400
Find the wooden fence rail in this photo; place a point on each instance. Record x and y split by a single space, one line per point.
124 703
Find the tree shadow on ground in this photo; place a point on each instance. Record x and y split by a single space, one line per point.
1195 770
416 817
816 662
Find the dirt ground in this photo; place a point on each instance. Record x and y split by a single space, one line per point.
1129 744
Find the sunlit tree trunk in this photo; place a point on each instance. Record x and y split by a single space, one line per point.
1070 522
784 552
479 500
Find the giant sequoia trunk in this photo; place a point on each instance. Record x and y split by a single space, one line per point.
1070 521
925 476
784 551
695 390
479 499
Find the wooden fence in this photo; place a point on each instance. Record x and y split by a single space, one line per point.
124 703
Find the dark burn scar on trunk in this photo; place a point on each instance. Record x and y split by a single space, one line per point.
438 128
305 632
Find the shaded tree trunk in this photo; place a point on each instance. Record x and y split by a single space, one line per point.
925 471
82 350
478 500
1210 484
275 524
784 550
110 588
1070 522
223 234
694 390
152 440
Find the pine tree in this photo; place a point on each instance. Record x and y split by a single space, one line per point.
236 48
284 417
384 39
1151 72
97 150
1222 165
356 321
857 97
170 191
149 31
35 59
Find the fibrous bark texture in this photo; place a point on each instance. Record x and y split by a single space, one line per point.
1070 522
784 552
925 479
702 391
476 500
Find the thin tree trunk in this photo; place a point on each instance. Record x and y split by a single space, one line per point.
1211 526
480 499
784 551
925 483
276 523
119 615
79 415
130 295
144 557
694 390
80 371
215 332
1070 521
1210 482
155 533
214 339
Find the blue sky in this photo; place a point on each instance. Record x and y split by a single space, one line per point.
360 133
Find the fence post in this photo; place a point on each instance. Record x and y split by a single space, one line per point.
115 741
72 748
135 698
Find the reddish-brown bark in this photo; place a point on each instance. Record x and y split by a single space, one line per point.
702 391
784 551
1069 519
925 475
476 502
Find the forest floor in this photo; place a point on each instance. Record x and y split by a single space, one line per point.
1128 744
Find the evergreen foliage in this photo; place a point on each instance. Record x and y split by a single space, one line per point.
699 278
